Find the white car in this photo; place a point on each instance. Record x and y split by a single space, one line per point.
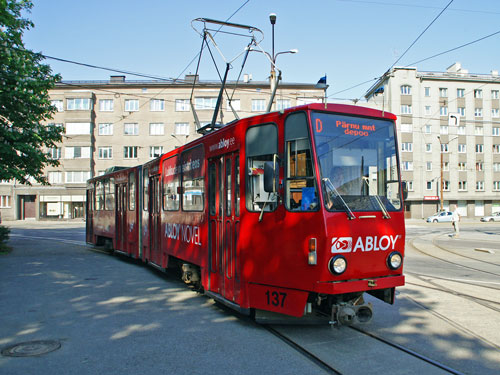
440 217
493 217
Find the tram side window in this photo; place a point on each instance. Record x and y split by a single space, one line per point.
193 179
237 186
145 189
109 194
171 174
301 192
131 191
100 195
261 146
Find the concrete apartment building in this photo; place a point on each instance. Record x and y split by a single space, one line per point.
126 123
449 123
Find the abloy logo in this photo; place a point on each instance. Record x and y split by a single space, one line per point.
368 243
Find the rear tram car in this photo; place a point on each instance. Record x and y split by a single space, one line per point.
294 213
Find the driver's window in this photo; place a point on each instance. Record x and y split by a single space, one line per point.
301 193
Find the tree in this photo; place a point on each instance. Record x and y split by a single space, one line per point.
24 100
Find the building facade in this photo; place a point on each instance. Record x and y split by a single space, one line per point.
126 123
449 133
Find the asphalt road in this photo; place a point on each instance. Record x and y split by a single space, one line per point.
113 316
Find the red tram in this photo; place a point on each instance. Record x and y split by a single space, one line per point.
292 213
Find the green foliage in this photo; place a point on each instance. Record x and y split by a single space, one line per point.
24 100
4 237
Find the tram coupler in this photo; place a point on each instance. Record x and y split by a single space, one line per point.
348 313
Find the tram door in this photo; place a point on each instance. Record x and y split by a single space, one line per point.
121 217
224 225
90 215
155 220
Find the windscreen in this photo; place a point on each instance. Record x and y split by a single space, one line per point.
358 162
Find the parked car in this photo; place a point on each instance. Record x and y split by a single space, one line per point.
440 217
493 217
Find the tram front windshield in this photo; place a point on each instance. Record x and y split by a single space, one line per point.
358 162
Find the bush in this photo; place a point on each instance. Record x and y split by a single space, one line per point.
4 237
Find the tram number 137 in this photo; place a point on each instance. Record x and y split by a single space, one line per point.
276 299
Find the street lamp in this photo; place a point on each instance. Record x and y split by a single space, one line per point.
441 187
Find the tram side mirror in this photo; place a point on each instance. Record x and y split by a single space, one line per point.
271 176
405 190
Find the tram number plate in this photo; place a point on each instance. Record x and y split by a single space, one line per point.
275 298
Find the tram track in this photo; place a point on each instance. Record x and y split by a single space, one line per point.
416 248
434 242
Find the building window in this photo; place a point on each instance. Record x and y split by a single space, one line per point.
443 129
156 128
106 152
496 149
462 185
405 90
182 105
495 131
77 152
54 177
155 151
406 109
106 129
205 103
409 185
461 130
58 104
78 104
258 105
461 111
428 166
443 111
77 176
283 104
428 129
479 166
407 147
427 91
78 128
407 166
494 94
181 128
157 105
495 112
443 92
131 105
55 153
444 147
406 128
446 166
462 166
462 148
5 201
478 130
479 148
460 93
131 129
478 94
106 105
478 112
429 185
496 185
428 110
428 147
130 152
236 104
496 167
446 185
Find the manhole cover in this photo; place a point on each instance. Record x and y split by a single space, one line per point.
31 348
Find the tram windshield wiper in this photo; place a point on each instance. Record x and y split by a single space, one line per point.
331 190
377 199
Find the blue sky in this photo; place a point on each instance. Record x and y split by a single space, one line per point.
351 41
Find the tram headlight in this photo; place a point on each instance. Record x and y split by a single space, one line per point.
394 260
337 265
